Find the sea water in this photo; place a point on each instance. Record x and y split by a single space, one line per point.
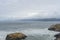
35 30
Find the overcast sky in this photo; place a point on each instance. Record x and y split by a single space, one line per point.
20 9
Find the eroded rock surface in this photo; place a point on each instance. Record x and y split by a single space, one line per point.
16 36
55 27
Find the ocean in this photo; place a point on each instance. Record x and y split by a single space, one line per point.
35 30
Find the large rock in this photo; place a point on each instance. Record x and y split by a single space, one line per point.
57 36
55 27
16 36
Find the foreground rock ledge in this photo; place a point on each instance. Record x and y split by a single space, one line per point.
15 36
55 27
57 36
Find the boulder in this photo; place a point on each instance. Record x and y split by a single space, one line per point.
15 36
57 36
55 27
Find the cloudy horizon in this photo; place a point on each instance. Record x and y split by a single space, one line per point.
21 9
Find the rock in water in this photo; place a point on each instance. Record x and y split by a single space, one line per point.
57 36
16 36
55 27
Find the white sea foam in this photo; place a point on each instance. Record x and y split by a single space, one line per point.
31 32
44 31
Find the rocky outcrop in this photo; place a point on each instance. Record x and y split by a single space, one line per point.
15 36
55 27
57 36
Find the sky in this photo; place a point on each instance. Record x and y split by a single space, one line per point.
22 9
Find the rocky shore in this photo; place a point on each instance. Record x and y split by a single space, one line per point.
15 36
56 28
21 36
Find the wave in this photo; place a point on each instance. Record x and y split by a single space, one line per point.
33 34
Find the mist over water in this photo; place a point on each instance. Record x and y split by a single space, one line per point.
35 30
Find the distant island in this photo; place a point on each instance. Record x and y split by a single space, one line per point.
46 19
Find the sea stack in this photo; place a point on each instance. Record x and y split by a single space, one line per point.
15 36
55 27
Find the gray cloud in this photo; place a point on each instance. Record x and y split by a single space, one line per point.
29 9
